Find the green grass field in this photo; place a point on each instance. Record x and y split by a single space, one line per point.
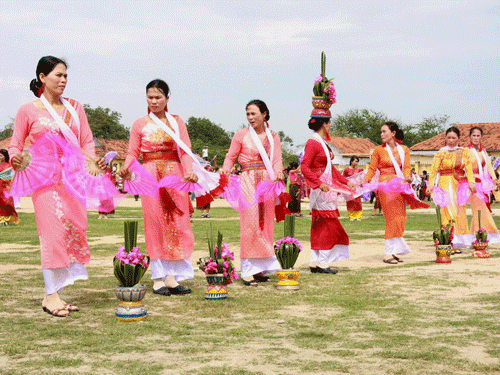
421 318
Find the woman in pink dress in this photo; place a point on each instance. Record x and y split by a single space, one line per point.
8 212
167 227
61 218
257 221
329 241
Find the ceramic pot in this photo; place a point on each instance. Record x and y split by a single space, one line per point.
320 102
216 289
443 253
480 250
288 280
131 307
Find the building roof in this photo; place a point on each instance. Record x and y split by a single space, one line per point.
490 139
102 146
353 146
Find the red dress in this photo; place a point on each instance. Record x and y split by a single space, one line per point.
353 204
7 210
326 230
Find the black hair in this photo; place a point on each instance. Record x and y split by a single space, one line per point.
315 123
5 153
160 85
475 128
293 165
354 157
393 127
454 130
45 65
261 105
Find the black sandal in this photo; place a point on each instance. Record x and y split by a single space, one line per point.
250 283
329 270
398 259
163 291
179 290
261 278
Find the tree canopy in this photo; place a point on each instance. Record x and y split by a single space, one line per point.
105 123
204 132
365 123
8 129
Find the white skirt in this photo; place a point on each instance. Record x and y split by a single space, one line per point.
396 246
180 269
324 257
253 266
57 278
463 240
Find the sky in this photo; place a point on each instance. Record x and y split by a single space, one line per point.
407 59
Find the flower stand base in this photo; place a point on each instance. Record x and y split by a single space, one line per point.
443 253
215 293
287 280
216 290
131 307
480 250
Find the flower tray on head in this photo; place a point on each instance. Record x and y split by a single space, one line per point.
129 267
218 267
443 238
324 89
481 243
287 251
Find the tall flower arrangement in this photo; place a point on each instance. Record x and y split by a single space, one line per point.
288 248
481 233
444 235
129 263
324 87
220 259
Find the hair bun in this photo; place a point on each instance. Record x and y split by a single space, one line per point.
400 135
35 86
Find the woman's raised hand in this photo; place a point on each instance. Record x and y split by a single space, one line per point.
17 161
125 173
101 163
324 187
472 186
279 176
190 177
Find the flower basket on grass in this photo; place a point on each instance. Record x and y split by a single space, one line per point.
129 267
481 243
442 240
287 251
324 89
218 267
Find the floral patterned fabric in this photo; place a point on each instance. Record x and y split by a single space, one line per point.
61 218
168 233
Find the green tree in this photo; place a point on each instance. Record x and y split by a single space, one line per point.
287 151
365 123
204 132
105 123
427 128
7 130
359 123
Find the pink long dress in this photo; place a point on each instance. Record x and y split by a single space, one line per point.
169 237
257 245
61 218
